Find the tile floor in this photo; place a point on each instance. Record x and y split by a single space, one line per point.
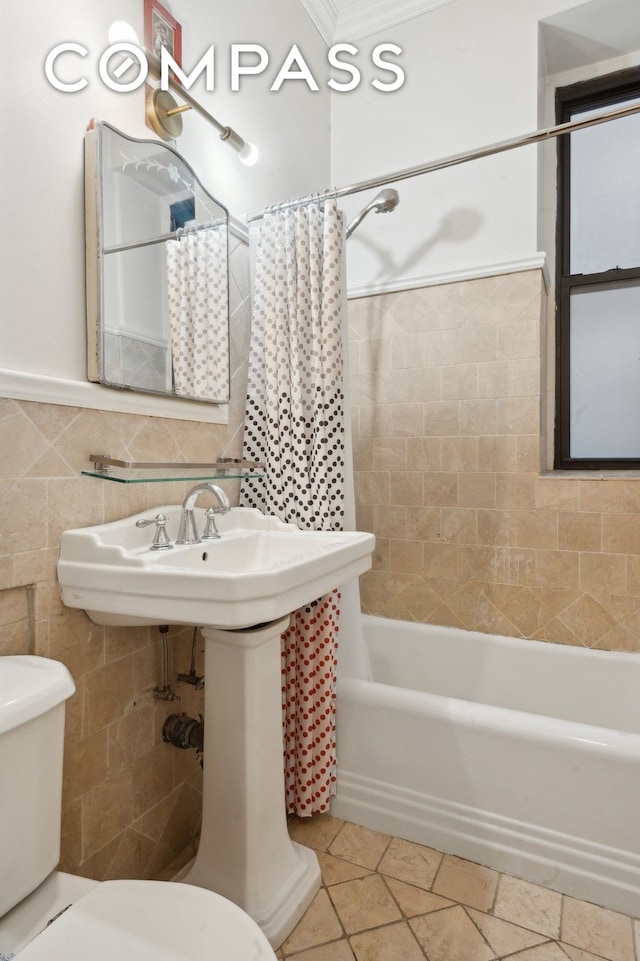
385 899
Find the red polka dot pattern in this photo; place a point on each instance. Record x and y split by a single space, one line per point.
309 649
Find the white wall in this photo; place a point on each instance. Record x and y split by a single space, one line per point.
472 79
41 156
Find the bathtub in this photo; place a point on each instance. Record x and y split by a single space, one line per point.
521 755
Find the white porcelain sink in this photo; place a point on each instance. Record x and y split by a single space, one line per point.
260 569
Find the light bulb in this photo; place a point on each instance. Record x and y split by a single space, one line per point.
249 155
122 32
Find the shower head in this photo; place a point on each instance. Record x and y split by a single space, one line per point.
386 200
382 203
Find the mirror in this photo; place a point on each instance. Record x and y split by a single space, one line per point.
157 271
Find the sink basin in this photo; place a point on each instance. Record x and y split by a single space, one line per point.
259 570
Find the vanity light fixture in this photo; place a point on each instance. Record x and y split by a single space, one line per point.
164 115
163 111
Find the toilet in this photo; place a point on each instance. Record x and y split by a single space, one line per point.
46 915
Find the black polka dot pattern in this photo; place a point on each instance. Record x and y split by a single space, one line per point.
295 425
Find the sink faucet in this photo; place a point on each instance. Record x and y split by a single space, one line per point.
188 532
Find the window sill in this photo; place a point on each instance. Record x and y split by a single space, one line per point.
590 475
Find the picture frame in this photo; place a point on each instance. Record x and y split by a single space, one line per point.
161 29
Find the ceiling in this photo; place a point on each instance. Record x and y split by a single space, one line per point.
351 20
589 33
590 30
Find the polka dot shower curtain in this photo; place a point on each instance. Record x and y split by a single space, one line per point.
198 313
295 424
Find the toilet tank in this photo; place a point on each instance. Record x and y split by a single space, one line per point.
32 695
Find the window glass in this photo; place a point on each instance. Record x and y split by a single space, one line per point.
605 194
605 371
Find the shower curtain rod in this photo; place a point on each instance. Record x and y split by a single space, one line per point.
546 133
162 238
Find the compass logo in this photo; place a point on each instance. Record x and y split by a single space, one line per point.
117 62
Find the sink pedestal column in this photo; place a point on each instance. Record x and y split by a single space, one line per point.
245 852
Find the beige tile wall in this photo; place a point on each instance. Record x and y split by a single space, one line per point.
446 386
130 801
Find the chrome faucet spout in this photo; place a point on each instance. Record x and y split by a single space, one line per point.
188 530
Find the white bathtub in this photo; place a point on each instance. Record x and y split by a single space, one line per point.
521 755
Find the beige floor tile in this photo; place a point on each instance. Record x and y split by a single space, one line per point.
400 901
528 905
466 882
550 951
318 925
450 935
334 951
577 954
364 903
316 832
335 870
504 937
360 845
597 930
394 942
410 862
413 901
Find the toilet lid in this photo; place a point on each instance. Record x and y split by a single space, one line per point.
150 921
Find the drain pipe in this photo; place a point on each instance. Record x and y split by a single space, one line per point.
185 732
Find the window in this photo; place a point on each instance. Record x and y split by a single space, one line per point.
598 279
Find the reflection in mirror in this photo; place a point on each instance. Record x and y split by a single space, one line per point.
157 271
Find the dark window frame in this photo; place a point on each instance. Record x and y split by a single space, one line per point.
601 92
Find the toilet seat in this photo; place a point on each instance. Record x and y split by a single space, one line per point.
150 921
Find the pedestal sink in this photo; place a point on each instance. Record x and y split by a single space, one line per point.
260 569
240 590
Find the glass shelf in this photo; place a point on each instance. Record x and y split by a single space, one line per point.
137 472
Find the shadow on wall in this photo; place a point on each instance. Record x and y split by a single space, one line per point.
456 227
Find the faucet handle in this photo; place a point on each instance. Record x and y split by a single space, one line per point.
210 532
160 539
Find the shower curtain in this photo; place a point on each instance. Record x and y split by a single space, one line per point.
295 424
198 313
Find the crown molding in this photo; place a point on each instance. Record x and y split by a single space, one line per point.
324 14
348 22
